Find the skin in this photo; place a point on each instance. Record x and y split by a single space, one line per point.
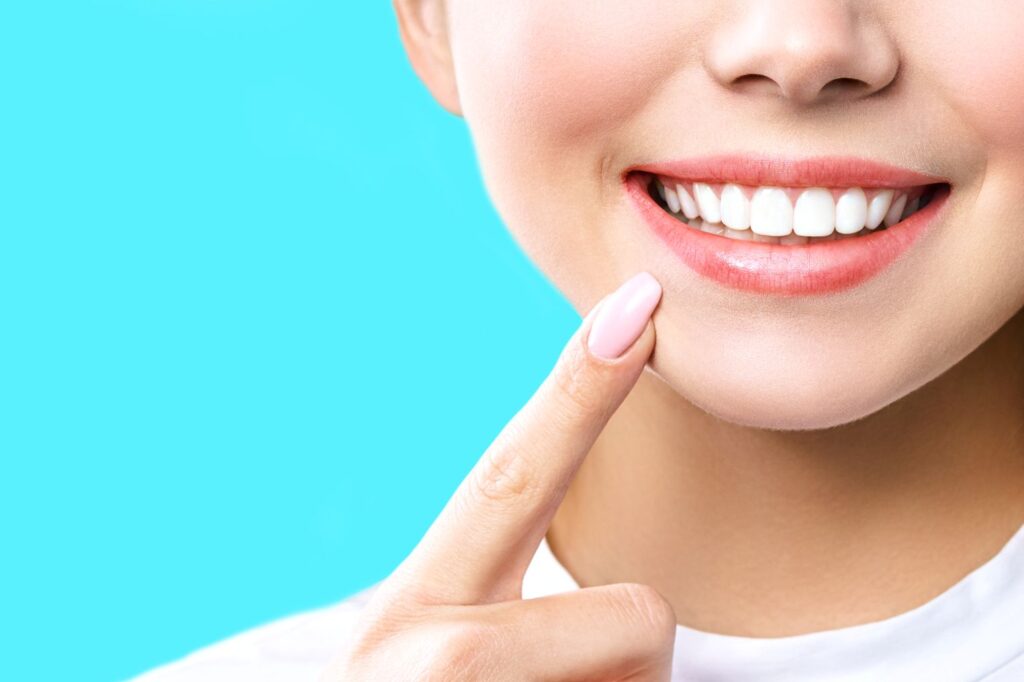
781 465
454 610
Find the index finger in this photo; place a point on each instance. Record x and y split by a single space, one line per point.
480 545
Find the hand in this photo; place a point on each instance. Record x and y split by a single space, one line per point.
454 609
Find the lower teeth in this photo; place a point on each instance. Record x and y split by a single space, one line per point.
701 225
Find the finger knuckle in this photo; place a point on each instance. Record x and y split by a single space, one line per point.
644 606
506 477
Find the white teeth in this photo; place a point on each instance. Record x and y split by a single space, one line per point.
896 210
771 212
771 216
815 213
878 207
687 202
735 208
851 211
670 198
710 209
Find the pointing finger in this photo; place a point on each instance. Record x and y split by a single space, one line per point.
481 543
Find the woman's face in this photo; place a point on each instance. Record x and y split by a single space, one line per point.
564 99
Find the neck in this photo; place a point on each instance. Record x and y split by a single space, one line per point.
764 533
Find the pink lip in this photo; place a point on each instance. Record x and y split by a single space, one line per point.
823 171
789 270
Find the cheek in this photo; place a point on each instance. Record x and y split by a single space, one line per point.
551 92
977 59
559 74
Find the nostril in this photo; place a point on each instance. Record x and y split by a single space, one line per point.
802 89
840 86
846 82
752 79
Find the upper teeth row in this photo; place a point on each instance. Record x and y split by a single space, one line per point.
771 212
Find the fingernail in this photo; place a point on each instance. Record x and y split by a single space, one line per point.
623 316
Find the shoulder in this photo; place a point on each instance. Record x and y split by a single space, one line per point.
294 648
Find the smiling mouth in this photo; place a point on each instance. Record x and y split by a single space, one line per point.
786 215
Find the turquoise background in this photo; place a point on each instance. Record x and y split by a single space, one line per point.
257 319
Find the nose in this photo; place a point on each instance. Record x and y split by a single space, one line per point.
805 51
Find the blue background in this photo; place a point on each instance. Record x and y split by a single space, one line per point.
257 319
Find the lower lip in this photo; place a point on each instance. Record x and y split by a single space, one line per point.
787 270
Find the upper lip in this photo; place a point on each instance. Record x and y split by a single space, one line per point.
818 171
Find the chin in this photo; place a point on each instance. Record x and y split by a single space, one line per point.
789 394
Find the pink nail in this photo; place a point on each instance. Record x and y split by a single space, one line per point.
623 316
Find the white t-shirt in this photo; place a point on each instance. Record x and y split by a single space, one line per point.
972 631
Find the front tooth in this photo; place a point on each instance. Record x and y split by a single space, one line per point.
672 200
771 212
878 207
735 208
710 209
687 202
815 213
851 211
896 210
